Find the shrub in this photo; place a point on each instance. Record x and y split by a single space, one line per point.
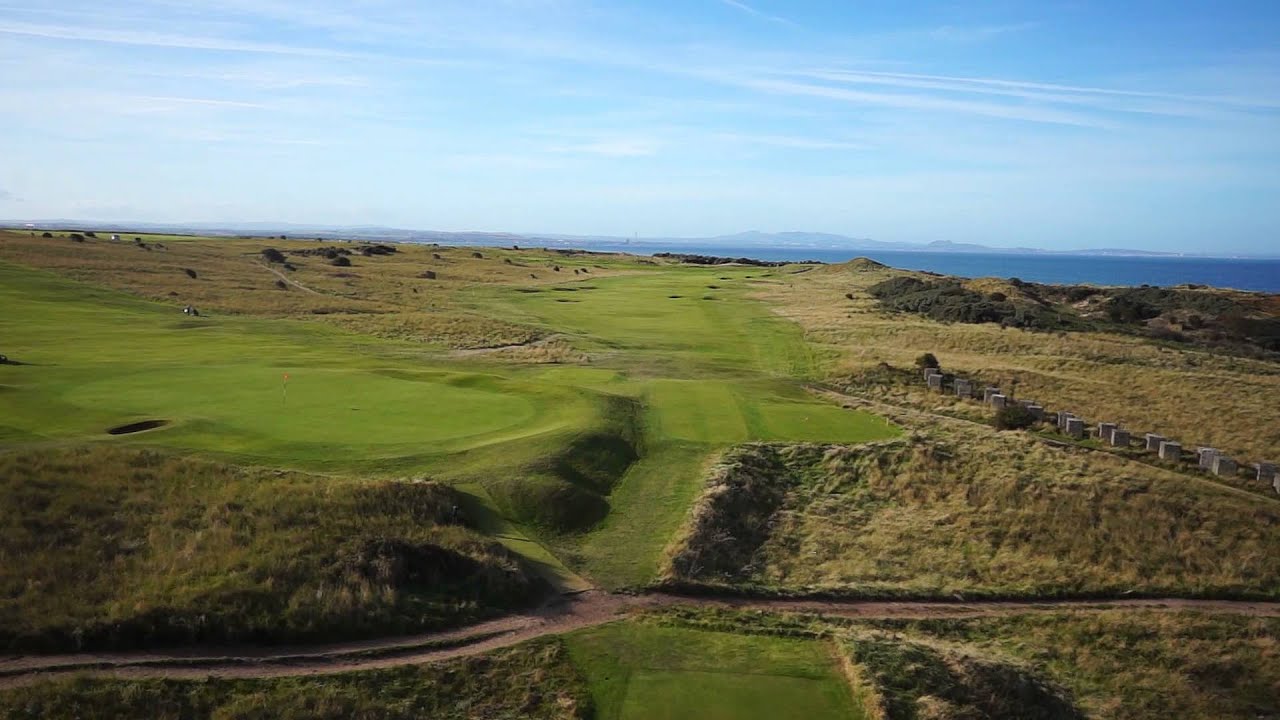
282 285
436 256
477 256
90 233
76 237
190 273
927 360
47 235
1014 417
272 255
428 275
341 261
997 297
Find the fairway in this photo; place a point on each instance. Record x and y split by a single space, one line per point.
682 364
638 670
318 406
219 383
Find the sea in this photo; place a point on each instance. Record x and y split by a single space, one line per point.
1261 274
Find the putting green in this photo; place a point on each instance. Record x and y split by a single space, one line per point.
319 405
706 695
639 670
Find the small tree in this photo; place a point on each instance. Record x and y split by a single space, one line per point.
47 235
927 360
1014 417
272 255
341 261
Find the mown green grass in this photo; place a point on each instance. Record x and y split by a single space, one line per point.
96 360
638 670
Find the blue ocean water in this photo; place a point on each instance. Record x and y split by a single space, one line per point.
1239 273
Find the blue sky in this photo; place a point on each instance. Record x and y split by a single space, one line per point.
1046 124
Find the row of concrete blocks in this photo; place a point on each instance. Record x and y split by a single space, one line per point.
1210 459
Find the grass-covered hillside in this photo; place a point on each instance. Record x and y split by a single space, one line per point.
105 547
979 514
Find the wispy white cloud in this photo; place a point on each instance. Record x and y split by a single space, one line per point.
1049 92
790 141
613 147
164 40
758 13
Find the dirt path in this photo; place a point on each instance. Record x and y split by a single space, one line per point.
564 615
285 279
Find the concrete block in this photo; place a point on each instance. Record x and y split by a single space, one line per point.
1105 430
930 372
1223 466
1207 454
1120 438
987 393
1075 428
1266 472
1063 416
1036 411
964 388
1154 440
935 382
1170 451
999 401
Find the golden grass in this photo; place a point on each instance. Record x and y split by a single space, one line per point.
383 295
108 547
1197 397
961 509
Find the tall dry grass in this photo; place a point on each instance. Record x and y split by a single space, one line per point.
1195 396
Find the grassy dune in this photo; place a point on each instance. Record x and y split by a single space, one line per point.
119 548
980 513
1182 392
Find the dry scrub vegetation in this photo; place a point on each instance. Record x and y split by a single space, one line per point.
972 513
114 548
1196 396
415 293
534 680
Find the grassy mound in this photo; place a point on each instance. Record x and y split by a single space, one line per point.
113 548
533 680
987 514
566 490
1131 664
917 681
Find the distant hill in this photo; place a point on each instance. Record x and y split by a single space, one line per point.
743 240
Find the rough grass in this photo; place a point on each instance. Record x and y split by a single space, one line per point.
981 514
114 548
928 681
1107 663
1134 665
533 680
1198 397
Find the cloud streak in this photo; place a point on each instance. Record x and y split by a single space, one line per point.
758 13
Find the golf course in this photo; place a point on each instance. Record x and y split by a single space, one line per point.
425 439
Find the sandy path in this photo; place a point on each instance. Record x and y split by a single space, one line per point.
564 615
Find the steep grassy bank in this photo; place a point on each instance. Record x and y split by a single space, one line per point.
977 514
116 548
